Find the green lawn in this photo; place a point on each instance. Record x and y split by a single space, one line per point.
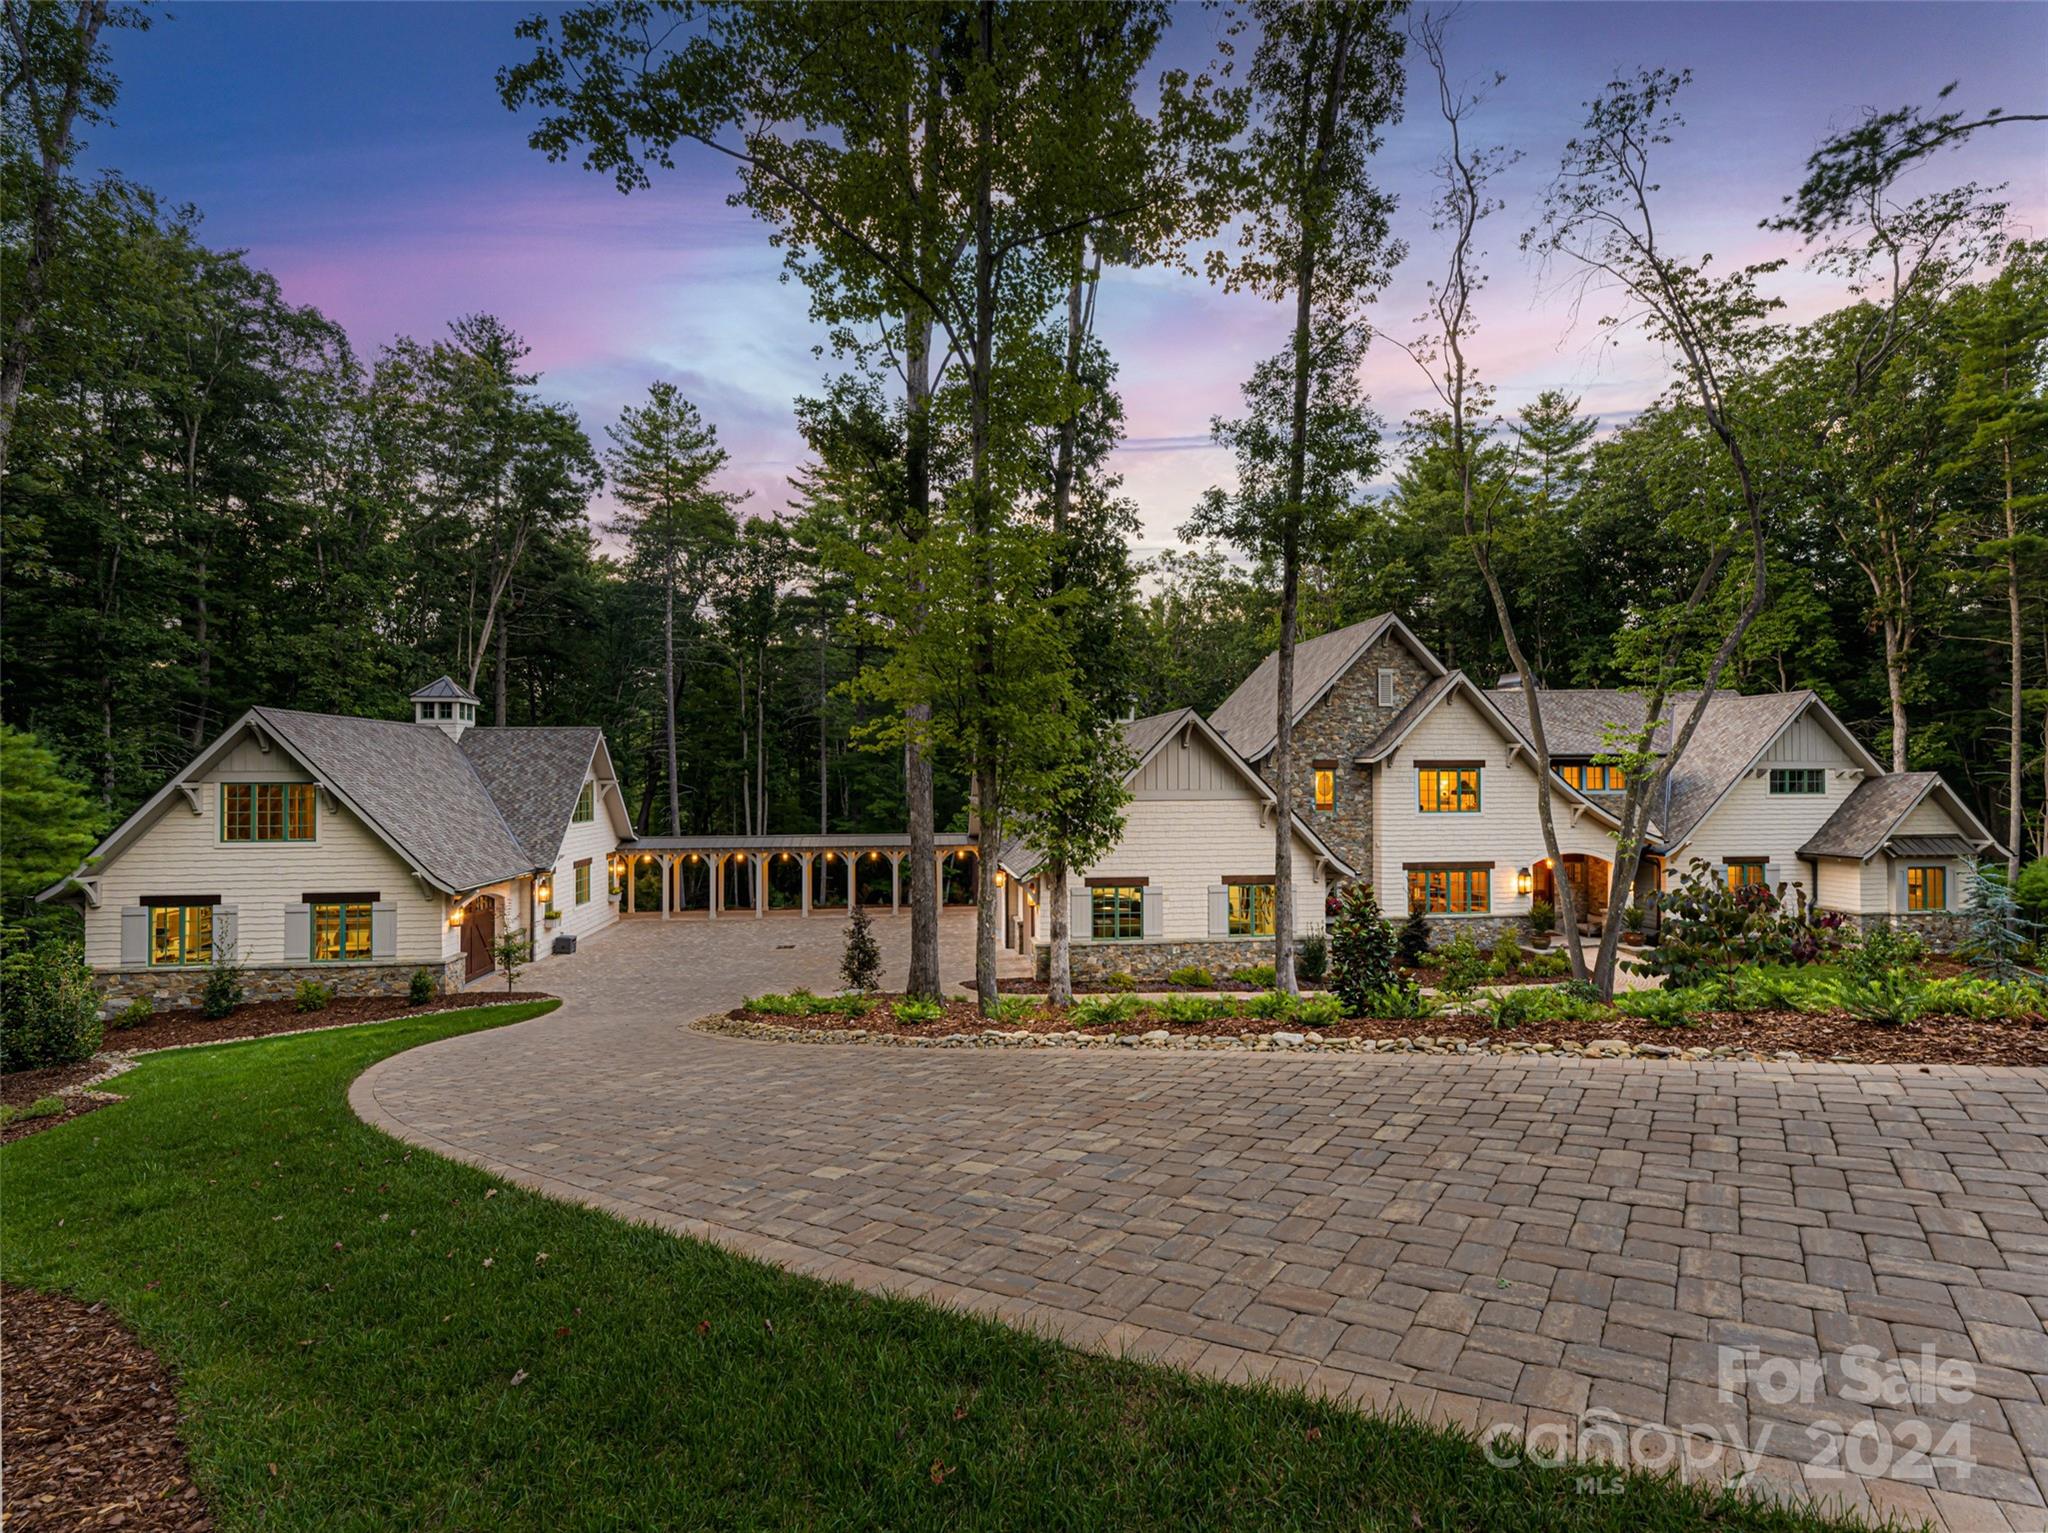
372 1336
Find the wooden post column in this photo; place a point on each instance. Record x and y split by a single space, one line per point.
807 856
760 884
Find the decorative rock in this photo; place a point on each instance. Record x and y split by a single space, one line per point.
1159 1035
1290 1040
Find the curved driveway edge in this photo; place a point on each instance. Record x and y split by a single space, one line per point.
1577 1250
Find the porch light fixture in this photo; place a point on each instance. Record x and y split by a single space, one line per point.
1523 882
542 888
1001 878
455 916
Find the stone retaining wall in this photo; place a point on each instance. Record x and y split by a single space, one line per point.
1095 961
1942 930
180 989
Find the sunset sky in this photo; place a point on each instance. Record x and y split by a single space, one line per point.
359 151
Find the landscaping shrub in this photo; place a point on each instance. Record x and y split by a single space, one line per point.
512 953
1871 954
1632 920
798 1003
224 988
910 1011
49 1006
1707 928
1361 948
1464 965
1983 1000
1542 916
1260 974
1540 1003
1545 965
1659 1008
41 1107
1117 979
1012 1008
841 1005
134 1014
1271 1006
860 967
1507 956
1412 946
1584 989
1893 999
1191 1010
1104 1010
1397 1003
1193 976
1998 933
2032 892
1320 1011
1312 958
1777 988
421 988
312 996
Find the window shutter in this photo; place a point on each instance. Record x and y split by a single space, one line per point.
1219 911
227 932
1386 687
298 933
1081 924
1899 904
384 930
1154 910
134 936
1771 875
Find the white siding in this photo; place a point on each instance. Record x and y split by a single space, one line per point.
1752 821
1805 742
1185 847
595 839
1506 831
1928 818
182 853
1188 766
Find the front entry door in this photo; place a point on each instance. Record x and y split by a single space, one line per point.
479 936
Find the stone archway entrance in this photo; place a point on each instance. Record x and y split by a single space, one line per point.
479 937
1587 877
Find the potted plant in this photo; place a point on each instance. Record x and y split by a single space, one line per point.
1632 925
1542 921
551 915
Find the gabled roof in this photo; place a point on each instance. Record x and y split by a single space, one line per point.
1248 718
1575 719
1143 738
534 776
444 689
1868 816
415 785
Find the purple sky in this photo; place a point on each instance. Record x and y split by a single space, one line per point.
359 152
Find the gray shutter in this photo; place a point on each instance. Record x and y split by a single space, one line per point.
1899 895
1219 911
134 936
1081 924
227 931
298 933
1155 912
1771 876
384 930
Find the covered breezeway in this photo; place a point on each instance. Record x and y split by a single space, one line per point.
706 877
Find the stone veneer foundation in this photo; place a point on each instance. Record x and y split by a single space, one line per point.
181 989
1942 930
1094 961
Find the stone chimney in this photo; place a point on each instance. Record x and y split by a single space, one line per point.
445 703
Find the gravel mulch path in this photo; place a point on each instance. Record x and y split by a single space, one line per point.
1831 1036
91 1429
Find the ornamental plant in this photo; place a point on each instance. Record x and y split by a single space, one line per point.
1707 928
1412 947
860 967
1361 950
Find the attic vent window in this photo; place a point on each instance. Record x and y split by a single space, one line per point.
1386 687
586 804
1799 780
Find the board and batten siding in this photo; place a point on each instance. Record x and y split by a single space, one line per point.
182 853
1506 832
1753 822
595 839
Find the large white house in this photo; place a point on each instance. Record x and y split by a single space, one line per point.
354 851
1417 779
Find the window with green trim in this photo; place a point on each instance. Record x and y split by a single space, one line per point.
341 933
583 882
1251 909
1448 790
1927 888
180 934
1743 871
1808 780
586 804
1116 911
1451 891
268 811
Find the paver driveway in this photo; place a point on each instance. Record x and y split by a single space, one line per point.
1752 1255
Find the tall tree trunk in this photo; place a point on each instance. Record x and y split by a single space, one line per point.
668 698
1895 686
1059 973
2015 826
823 791
761 740
501 671
917 768
55 154
981 379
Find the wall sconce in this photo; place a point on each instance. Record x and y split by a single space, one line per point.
542 888
455 916
1001 878
1523 881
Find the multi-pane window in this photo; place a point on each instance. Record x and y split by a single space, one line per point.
1326 787
1448 790
341 933
1743 870
1251 909
1594 779
1927 888
1799 780
583 882
586 804
180 934
268 811
1450 891
1116 911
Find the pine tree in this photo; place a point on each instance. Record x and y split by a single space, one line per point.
861 967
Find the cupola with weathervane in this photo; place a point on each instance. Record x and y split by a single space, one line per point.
447 703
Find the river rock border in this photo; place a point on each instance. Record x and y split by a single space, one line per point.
1279 1042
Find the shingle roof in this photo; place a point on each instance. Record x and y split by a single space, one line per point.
1575 719
444 689
415 784
534 776
1733 733
1248 717
1140 735
1868 814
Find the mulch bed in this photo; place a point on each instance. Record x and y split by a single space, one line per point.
74 1107
26 1086
1833 1036
91 1429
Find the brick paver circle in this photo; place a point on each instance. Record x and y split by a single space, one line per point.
1831 1278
